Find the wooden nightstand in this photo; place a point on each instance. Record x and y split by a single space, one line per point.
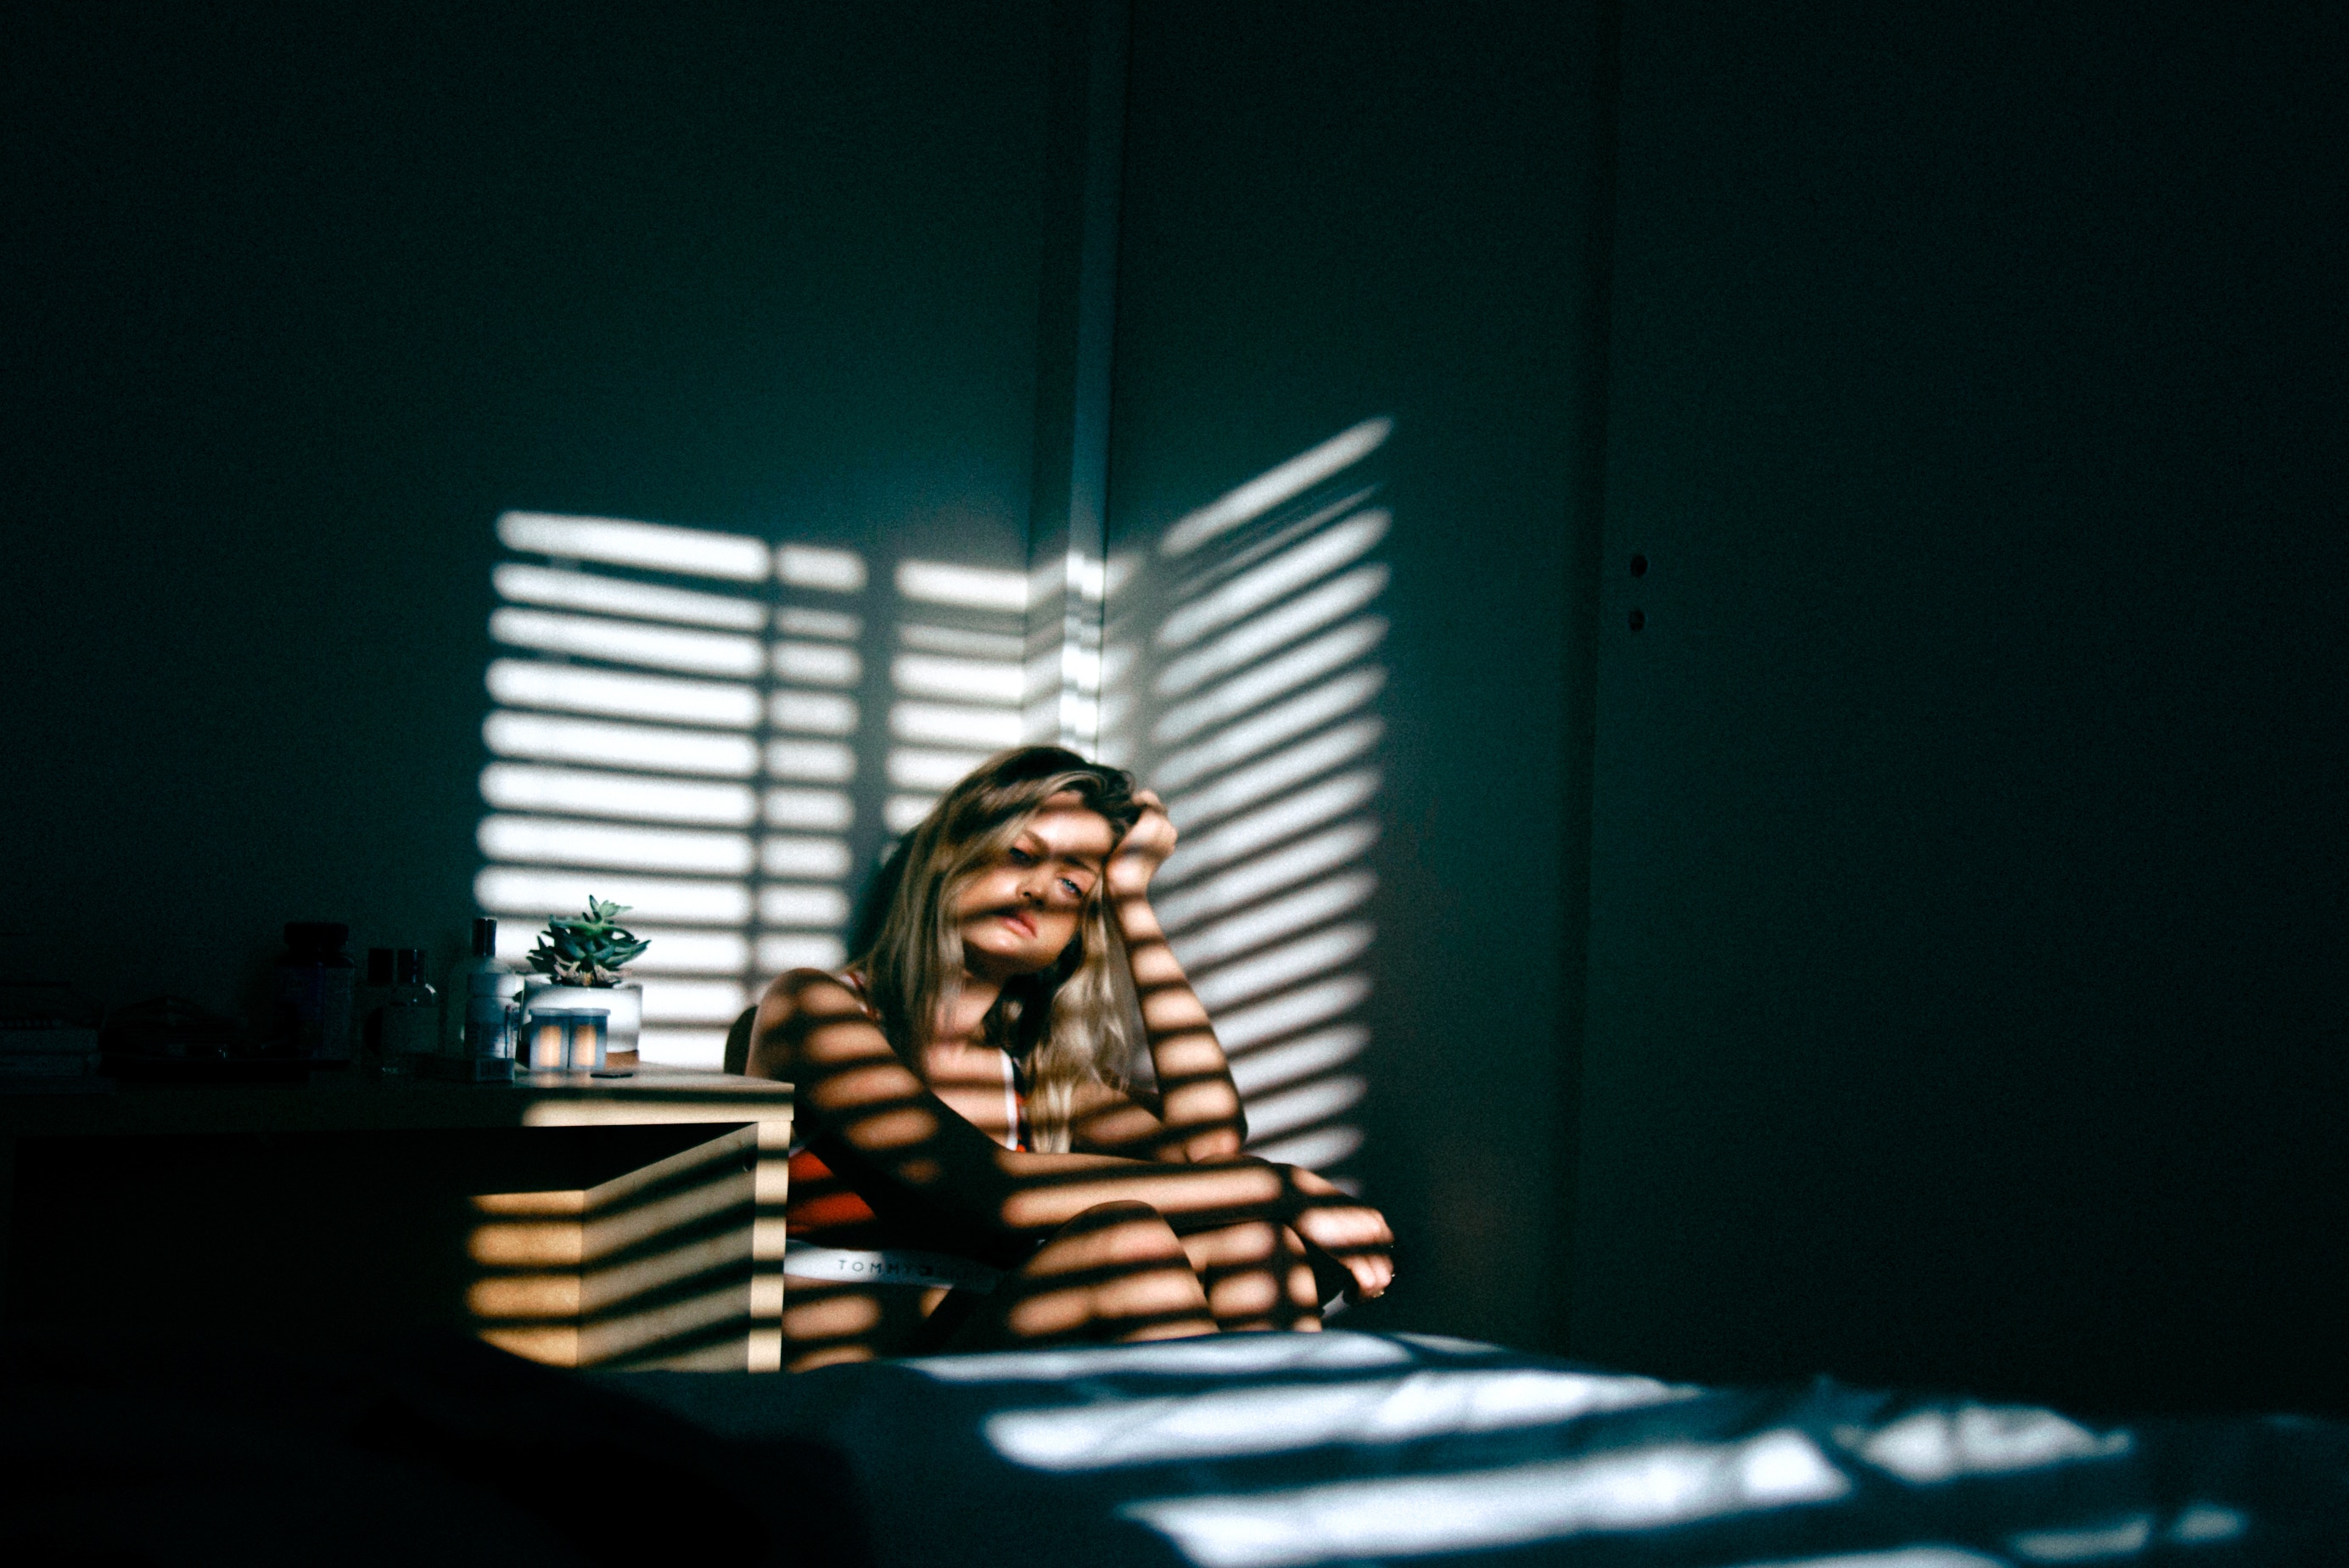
583 1222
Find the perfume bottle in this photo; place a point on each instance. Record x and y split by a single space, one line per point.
490 994
375 990
408 1022
314 992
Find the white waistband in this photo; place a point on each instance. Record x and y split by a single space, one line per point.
891 1266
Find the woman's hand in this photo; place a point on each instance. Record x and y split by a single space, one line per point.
1352 1232
1142 851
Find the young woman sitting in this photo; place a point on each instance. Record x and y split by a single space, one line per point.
975 1170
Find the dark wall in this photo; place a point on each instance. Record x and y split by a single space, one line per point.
299 303
1334 213
1967 928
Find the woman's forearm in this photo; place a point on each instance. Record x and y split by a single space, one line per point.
1048 1190
1198 1101
1006 1197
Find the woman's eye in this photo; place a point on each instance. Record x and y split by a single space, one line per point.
1022 858
1076 890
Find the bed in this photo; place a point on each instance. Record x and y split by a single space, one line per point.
1245 1451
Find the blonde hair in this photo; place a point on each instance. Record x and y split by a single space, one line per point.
1067 1027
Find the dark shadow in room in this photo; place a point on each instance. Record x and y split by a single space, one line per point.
407 1449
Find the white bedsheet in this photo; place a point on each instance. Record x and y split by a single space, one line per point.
1300 1451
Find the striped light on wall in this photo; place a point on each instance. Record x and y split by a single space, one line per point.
677 727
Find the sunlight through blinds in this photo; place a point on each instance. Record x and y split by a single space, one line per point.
1240 678
727 732
678 721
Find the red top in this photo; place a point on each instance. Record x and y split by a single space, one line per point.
822 1204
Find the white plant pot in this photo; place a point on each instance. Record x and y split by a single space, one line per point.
624 1004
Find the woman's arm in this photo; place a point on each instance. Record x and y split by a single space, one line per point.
1199 1107
911 1152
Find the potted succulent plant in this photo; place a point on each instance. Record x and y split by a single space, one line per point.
580 957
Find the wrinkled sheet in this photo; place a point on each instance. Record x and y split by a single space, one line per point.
1279 1450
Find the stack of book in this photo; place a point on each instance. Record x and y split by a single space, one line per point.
48 1038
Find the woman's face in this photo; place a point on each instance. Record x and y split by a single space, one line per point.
1019 913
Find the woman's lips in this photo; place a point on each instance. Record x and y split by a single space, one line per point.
1021 923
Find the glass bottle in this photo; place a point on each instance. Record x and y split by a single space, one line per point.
313 987
411 1016
374 992
490 995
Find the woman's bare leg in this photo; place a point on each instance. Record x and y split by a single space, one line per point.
1116 1271
828 1321
1255 1276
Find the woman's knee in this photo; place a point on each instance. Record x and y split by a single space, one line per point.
1117 1271
1126 1231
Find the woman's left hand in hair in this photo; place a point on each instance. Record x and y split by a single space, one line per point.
1142 851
